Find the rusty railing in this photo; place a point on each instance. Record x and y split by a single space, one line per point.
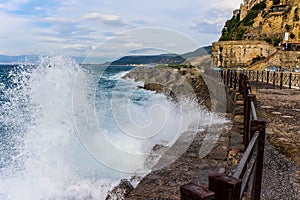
246 181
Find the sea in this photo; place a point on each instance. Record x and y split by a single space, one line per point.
73 131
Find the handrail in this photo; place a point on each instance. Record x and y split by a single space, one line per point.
253 110
251 165
280 79
245 158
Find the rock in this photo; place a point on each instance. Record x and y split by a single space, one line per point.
175 84
238 119
240 103
287 117
267 107
121 191
238 110
156 152
276 113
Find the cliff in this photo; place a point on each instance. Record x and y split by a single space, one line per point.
266 20
256 31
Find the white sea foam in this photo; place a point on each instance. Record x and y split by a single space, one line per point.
69 141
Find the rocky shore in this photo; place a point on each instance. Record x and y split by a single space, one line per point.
281 173
175 83
191 166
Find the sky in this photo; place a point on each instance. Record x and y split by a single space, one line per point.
76 27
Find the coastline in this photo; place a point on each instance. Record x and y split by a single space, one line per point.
176 84
281 176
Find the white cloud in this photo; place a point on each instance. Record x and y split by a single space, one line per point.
133 45
63 25
95 15
112 20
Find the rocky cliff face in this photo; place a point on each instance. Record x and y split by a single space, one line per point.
256 31
266 20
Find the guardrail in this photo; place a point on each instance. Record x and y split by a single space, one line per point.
281 79
246 181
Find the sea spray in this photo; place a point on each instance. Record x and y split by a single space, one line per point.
54 120
48 160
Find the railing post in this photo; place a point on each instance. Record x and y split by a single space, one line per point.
274 78
228 77
247 118
241 78
235 80
231 79
192 191
225 187
257 76
268 73
281 80
262 76
290 81
258 125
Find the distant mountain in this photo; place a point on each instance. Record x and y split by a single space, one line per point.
171 59
198 52
152 59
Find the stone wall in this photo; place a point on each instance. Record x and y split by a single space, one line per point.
232 54
283 59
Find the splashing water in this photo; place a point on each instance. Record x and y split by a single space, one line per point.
42 155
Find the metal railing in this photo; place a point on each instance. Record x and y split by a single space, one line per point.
246 181
281 79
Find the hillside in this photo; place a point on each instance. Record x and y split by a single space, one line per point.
267 20
172 59
261 34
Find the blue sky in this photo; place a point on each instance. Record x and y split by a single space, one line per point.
75 27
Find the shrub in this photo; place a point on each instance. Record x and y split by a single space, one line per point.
249 19
288 27
269 40
292 36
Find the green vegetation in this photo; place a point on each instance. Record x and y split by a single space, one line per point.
249 19
230 28
288 27
274 40
187 66
257 59
276 2
296 16
292 36
269 40
235 29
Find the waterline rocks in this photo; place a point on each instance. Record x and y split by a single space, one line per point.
173 82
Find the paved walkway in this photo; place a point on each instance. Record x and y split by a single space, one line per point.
281 175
